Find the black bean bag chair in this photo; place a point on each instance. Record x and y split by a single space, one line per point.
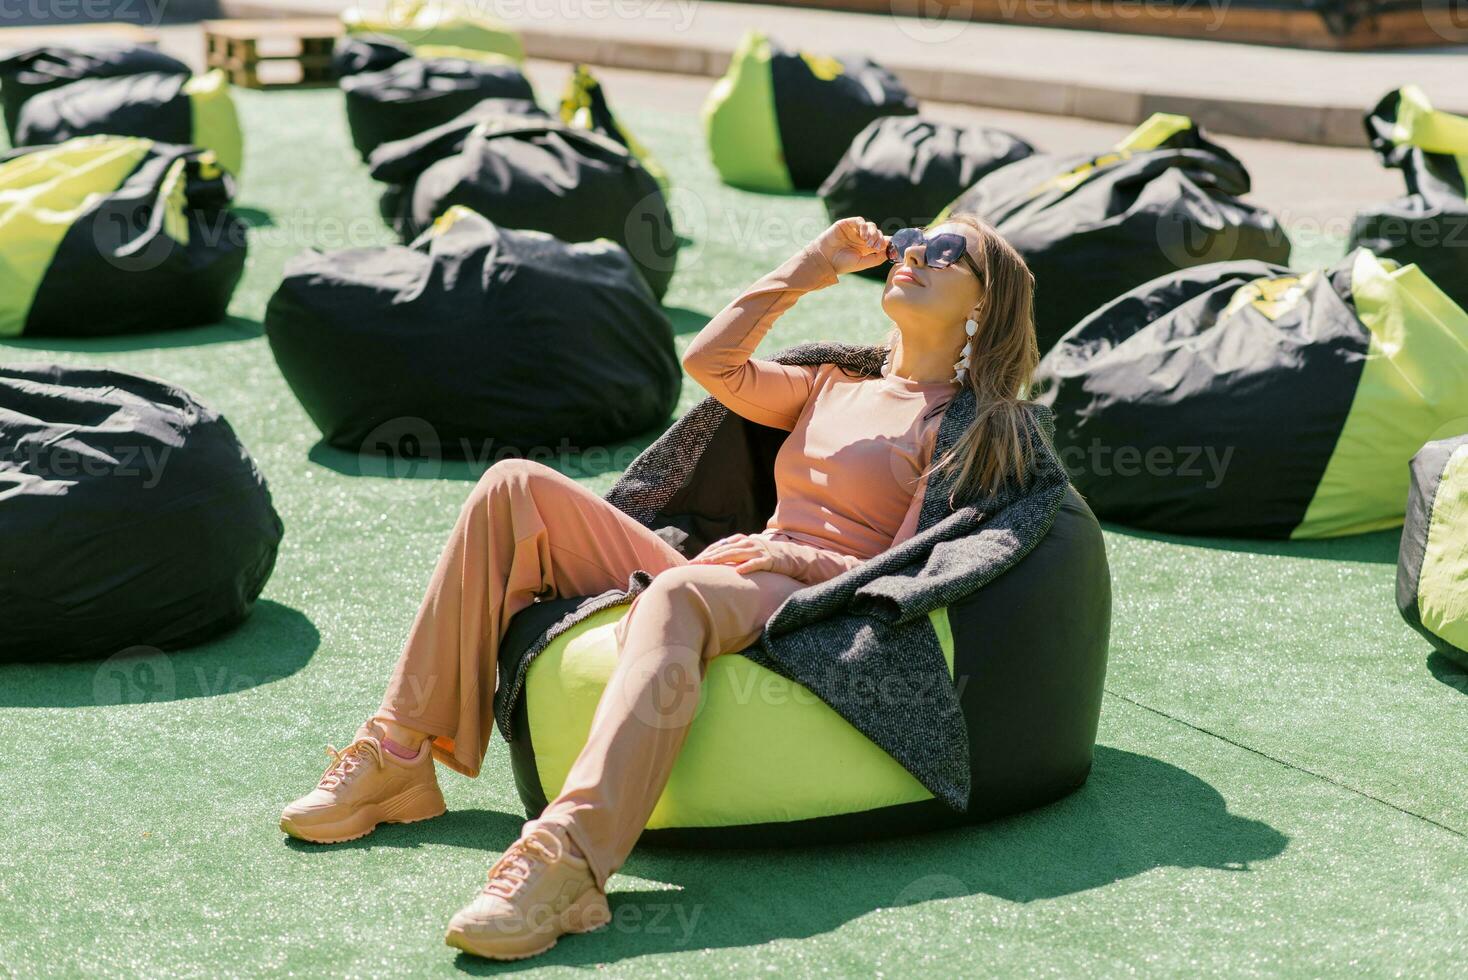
535 173
132 516
1246 399
780 119
767 763
169 108
902 170
1432 565
351 54
1092 227
31 70
1429 225
473 340
107 235
418 93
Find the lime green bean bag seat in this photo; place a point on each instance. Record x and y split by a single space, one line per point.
781 119
169 108
1428 225
1249 399
1432 567
440 24
767 762
110 235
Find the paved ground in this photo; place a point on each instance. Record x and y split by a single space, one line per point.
1252 90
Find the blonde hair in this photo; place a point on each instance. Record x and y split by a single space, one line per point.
997 446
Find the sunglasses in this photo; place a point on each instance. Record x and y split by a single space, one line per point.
940 251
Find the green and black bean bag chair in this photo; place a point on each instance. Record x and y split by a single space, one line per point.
132 516
530 172
418 93
168 108
780 119
1244 399
1432 566
1093 227
1428 226
109 235
902 170
438 24
27 72
584 105
474 339
766 762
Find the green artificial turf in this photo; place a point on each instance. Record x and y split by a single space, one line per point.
1279 785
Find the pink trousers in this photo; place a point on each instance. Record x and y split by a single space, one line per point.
528 529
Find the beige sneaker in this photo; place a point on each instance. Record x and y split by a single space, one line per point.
537 892
365 785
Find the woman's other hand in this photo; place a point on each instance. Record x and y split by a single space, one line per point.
745 552
755 553
852 244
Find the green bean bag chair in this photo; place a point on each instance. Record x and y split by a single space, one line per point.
107 235
780 119
168 108
1092 227
1429 225
1247 399
132 516
1432 566
25 73
766 762
418 23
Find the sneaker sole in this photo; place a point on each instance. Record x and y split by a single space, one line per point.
577 919
408 807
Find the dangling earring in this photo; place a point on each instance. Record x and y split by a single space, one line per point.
970 327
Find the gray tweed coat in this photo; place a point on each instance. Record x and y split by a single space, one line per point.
862 641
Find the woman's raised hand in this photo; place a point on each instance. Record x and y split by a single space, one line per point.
853 244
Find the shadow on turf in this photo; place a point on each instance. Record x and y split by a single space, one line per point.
1377 548
408 461
227 331
1134 815
1448 672
273 643
685 320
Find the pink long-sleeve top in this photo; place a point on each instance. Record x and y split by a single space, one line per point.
848 478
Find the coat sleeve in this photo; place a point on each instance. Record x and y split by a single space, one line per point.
721 357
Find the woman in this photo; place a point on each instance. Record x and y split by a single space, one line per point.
850 479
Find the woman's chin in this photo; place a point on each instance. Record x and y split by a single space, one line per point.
900 295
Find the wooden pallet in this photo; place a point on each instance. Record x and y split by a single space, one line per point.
242 47
19 38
